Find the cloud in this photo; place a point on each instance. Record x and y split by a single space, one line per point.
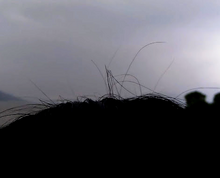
55 40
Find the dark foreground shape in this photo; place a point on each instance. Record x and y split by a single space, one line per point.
131 136
107 121
107 113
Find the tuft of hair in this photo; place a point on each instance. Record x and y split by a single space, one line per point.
59 117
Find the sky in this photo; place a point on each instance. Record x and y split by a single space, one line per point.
57 46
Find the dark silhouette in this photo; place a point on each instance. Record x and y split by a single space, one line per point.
102 117
112 132
110 113
195 98
217 99
196 101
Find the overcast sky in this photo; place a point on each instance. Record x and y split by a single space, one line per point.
52 43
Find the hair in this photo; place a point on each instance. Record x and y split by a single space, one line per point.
109 126
59 117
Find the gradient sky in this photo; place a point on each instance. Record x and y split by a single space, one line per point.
52 43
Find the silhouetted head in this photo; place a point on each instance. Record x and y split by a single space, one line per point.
131 130
89 113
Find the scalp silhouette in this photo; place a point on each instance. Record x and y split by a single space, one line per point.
115 131
107 109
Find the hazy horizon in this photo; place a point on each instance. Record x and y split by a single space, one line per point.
52 43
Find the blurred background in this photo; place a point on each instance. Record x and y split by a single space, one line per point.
50 44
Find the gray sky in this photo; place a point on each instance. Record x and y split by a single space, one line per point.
52 43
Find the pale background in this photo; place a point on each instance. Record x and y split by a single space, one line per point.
52 43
